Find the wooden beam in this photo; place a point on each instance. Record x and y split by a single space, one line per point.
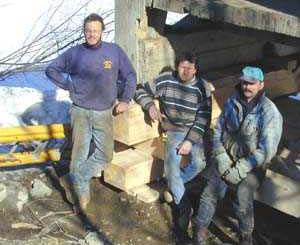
280 192
154 147
129 169
249 14
133 126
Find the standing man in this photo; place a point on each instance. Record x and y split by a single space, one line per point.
90 72
245 140
185 110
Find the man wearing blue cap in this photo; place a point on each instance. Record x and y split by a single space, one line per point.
245 140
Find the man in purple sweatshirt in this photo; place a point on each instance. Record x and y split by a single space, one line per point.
90 72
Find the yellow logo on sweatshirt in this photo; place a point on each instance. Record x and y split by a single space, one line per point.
107 64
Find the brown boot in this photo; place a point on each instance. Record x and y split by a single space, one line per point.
200 235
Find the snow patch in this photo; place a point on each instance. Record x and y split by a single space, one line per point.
31 99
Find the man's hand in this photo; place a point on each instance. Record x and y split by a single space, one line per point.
154 113
184 148
121 107
232 176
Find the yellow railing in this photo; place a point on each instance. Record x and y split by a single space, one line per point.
9 135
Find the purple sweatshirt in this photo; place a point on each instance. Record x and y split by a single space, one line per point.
91 74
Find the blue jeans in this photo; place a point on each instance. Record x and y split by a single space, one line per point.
216 189
88 125
175 175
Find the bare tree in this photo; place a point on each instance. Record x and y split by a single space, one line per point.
51 39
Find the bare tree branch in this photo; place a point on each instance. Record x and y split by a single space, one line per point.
50 40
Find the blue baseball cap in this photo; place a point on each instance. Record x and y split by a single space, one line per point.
252 74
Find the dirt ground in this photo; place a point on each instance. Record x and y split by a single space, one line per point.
116 217
121 219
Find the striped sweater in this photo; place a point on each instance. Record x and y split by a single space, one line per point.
187 106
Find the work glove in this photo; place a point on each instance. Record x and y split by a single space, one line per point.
223 166
222 161
232 176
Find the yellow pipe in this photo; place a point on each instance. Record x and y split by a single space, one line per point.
25 158
30 133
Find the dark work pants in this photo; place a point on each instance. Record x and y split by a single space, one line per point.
243 203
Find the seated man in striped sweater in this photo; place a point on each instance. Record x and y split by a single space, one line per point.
185 111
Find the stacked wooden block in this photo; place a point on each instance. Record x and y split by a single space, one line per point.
139 162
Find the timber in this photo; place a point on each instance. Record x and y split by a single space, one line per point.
281 193
154 147
134 126
272 16
129 169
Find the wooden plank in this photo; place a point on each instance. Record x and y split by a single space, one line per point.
248 14
174 5
133 126
280 192
291 127
216 108
30 133
279 83
154 147
129 169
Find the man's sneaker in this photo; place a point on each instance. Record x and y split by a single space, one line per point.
168 197
69 189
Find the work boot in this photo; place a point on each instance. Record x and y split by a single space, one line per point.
65 182
246 239
200 235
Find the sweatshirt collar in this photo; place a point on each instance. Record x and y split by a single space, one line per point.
97 45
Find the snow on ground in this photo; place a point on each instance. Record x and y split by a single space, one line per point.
30 99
